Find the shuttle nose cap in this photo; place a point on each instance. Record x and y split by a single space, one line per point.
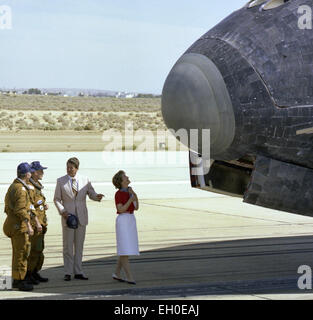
195 97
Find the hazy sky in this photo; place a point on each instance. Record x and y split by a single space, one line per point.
126 45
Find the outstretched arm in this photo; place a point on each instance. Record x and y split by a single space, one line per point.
92 194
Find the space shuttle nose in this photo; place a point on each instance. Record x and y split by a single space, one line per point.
195 97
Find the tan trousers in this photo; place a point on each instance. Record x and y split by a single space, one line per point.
36 257
73 244
21 250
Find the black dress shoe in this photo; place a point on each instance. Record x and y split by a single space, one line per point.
15 283
67 277
80 276
30 279
22 285
38 277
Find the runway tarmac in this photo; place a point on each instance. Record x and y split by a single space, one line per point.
194 245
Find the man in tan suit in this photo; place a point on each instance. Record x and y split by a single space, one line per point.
70 198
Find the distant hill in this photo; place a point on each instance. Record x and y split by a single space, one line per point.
74 92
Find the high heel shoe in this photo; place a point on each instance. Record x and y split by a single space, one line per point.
130 282
115 277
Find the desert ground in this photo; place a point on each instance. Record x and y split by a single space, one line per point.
51 113
36 123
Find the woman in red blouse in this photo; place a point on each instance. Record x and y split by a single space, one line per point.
126 202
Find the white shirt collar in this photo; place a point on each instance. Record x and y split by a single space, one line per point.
71 178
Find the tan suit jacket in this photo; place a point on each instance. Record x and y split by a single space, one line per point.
65 199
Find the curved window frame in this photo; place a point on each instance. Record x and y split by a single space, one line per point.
266 4
272 4
254 3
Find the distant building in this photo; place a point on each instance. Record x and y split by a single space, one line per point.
126 95
130 95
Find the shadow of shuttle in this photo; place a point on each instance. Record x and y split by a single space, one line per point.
249 266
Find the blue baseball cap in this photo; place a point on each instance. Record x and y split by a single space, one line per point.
23 168
72 221
37 166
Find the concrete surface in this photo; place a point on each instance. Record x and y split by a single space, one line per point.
194 244
206 248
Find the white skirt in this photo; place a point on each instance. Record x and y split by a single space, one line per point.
126 235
